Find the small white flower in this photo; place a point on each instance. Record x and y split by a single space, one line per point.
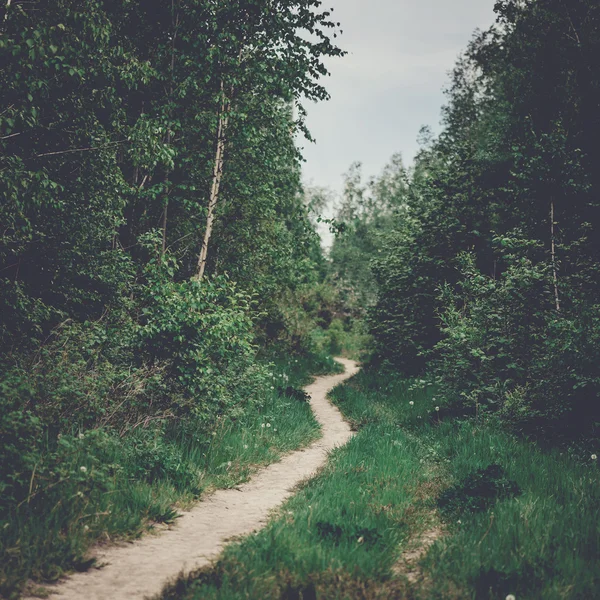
411 403
81 436
275 430
86 528
419 417
245 446
459 522
272 388
594 457
83 469
361 539
80 494
437 409
214 433
511 597
262 425
228 463
268 424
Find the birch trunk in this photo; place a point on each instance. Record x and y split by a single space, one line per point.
554 270
216 184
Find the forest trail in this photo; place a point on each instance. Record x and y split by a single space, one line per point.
138 570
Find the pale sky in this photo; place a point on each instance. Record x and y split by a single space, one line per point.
390 84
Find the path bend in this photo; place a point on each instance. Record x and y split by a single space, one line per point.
142 569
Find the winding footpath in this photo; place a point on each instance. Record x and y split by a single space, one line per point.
139 570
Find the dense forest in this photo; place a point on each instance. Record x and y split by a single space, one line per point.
484 254
155 242
164 293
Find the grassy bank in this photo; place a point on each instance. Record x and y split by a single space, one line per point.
508 518
96 486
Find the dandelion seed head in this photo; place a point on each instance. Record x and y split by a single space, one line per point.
437 409
268 424
511 597
594 457
83 469
411 403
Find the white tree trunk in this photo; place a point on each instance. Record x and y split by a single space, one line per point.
554 270
216 184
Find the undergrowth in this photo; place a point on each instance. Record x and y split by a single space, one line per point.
86 486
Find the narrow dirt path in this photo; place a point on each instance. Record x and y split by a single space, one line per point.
138 570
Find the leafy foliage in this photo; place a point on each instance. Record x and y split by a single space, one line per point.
487 278
108 126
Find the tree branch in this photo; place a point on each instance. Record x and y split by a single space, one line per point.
78 149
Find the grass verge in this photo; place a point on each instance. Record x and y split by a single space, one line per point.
103 487
516 520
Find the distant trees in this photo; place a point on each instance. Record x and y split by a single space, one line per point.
365 212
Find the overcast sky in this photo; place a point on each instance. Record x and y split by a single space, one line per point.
389 84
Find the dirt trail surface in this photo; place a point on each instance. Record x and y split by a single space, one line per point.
139 570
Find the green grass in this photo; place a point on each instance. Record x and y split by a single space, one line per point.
341 530
103 487
520 521
543 543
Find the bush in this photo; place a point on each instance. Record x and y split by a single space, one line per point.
202 333
506 350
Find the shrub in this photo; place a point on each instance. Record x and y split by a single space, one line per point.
506 350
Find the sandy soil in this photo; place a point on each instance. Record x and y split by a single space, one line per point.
141 569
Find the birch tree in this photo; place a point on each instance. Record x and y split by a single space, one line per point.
274 48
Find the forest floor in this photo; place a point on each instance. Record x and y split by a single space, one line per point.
139 569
